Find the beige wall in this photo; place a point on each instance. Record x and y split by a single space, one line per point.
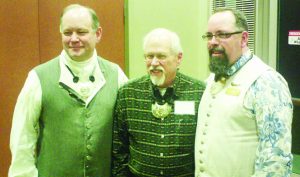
187 18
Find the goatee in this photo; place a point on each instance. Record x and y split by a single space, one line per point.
219 65
156 80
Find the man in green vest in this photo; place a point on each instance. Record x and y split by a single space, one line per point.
156 114
62 123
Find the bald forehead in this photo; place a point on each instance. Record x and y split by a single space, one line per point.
77 13
159 36
159 39
223 20
76 18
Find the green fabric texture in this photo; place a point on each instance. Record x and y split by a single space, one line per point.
296 164
157 146
75 139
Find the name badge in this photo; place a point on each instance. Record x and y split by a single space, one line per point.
184 107
234 91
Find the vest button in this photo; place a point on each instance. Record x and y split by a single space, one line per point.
87 125
88 157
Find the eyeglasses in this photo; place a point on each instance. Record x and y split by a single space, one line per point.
159 57
219 35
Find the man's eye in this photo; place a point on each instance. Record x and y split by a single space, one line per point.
209 36
149 56
222 35
67 33
161 56
82 32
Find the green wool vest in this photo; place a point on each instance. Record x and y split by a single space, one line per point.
75 140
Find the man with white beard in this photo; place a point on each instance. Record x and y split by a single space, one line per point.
155 115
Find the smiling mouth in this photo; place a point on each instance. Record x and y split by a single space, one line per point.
155 71
75 47
217 53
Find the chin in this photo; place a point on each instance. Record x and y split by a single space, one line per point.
77 54
157 80
76 57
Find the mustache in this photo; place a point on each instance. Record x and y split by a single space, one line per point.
220 50
154 68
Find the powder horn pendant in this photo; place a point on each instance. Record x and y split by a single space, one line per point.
161 111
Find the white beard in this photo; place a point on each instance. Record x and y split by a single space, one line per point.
158 80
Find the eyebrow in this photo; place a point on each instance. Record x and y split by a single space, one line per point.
219 31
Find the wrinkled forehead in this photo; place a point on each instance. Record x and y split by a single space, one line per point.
221 21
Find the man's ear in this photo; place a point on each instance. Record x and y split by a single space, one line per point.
99 34
179 58
245 37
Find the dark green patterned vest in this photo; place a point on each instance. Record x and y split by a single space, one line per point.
75 140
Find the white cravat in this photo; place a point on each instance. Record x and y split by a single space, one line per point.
85 88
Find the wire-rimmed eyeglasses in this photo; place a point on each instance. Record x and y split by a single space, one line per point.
219 35
158 57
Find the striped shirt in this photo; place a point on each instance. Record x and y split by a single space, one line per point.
144 145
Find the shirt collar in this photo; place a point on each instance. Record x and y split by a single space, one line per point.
78 66
240 62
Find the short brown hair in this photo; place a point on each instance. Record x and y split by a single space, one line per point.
240 18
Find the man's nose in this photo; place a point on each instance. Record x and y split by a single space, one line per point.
155 61
74 37
213 41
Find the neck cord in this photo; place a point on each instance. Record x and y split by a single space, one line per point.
76 78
